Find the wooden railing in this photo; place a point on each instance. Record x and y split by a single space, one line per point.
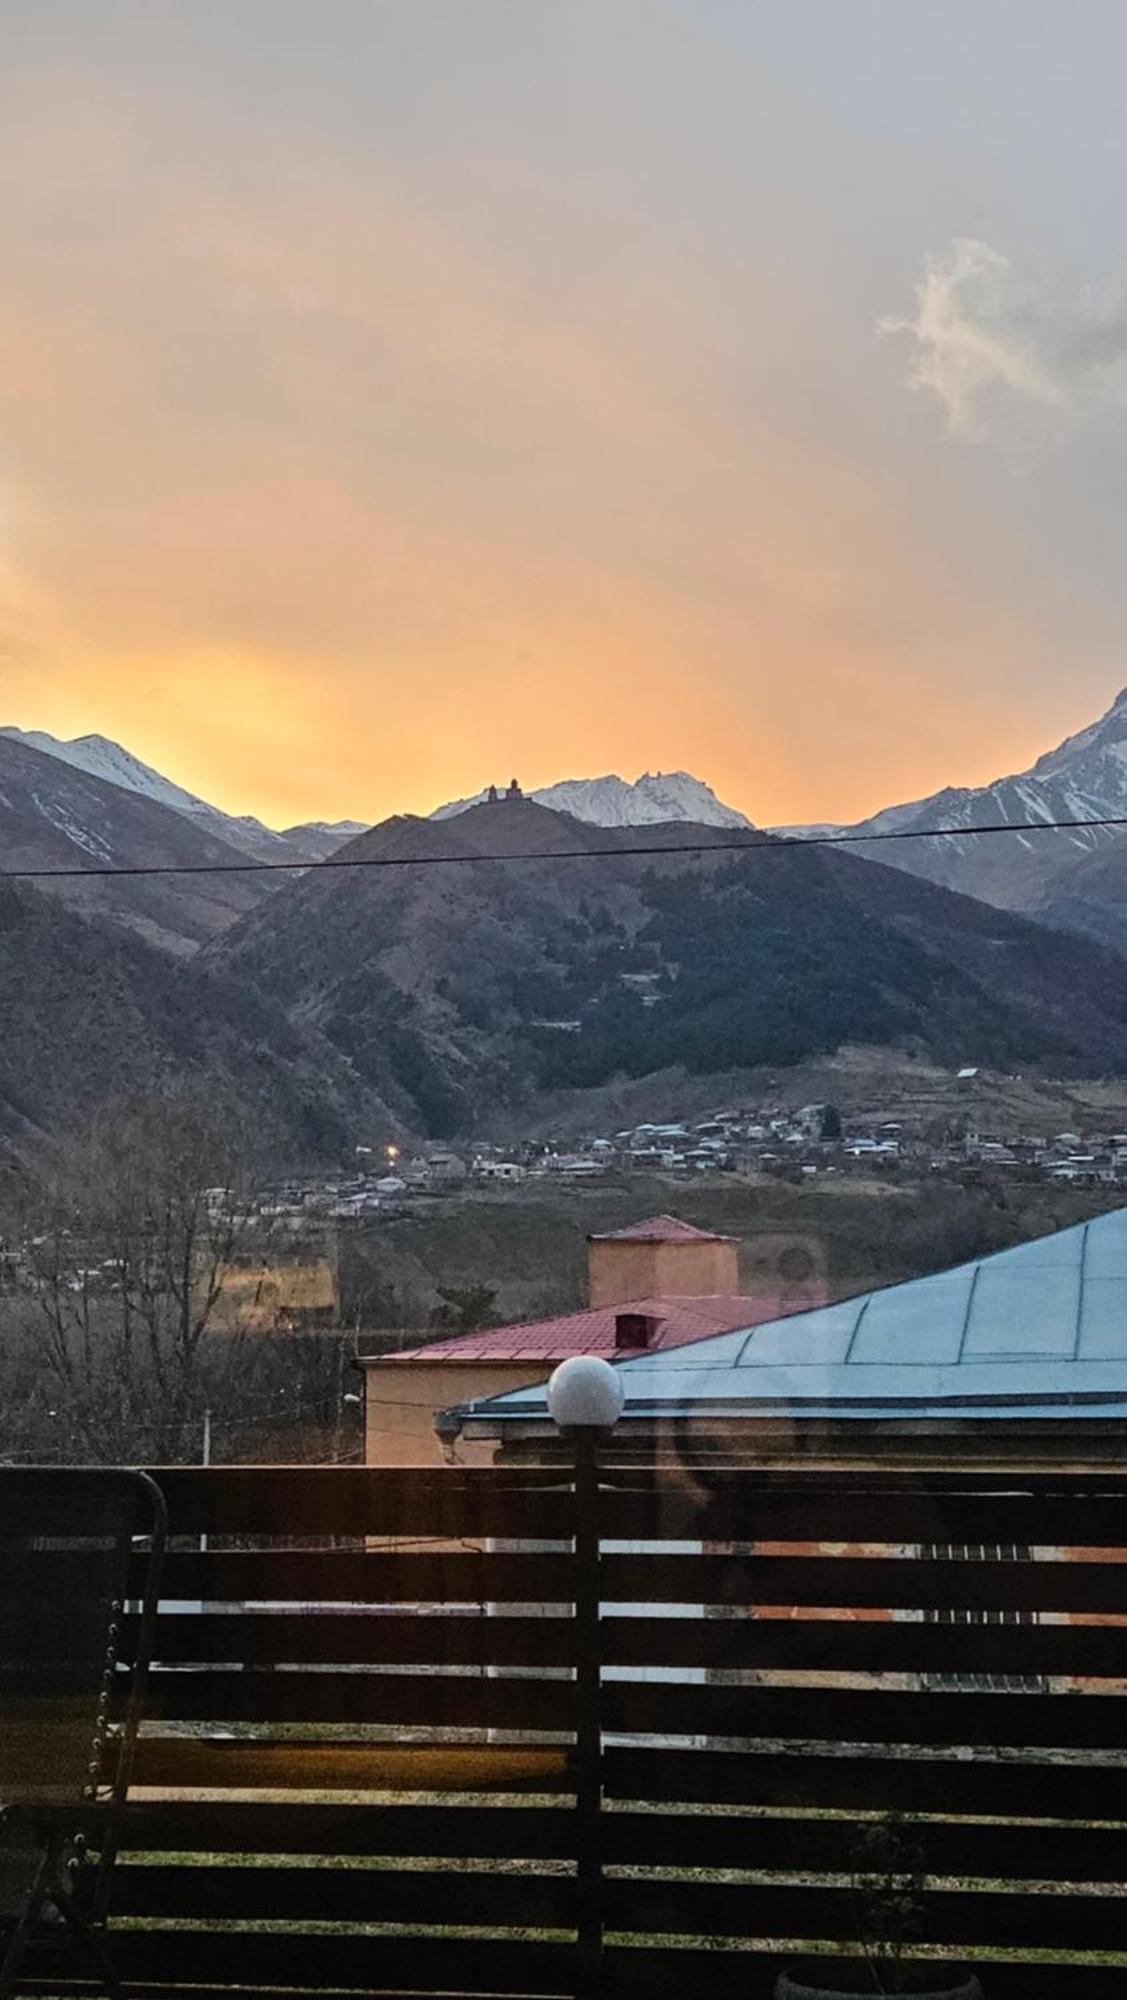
363 1768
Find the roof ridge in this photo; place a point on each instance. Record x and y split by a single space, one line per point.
658 1228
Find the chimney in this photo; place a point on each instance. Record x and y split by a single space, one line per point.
634 1329
660 1258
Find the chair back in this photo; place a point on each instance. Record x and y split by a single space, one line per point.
67 1543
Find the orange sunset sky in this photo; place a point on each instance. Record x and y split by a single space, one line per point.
394 398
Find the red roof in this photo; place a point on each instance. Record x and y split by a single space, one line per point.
593 1331
660 1229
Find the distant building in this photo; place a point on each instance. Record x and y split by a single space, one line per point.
807 1123
1029 1343
654 1285
507 1171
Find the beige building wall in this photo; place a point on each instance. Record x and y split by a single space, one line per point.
630 1268
403 1398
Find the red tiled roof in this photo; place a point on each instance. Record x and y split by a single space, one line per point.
593 1331
659 1229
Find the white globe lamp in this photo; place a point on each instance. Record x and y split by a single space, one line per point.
585 1393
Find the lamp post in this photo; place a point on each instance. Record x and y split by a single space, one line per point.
585 1399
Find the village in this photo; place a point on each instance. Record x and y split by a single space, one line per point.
751 1141
296 1231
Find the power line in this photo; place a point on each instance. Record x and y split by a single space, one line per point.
767 843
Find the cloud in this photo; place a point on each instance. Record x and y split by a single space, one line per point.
997 352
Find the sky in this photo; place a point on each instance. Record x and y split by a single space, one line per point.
397 395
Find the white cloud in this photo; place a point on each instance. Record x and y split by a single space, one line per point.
992 347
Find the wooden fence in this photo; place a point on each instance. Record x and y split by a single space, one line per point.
478 1732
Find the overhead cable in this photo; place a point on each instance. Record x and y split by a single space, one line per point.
764 843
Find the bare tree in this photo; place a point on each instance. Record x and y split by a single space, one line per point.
138 1224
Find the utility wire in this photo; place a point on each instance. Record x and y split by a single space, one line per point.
769 843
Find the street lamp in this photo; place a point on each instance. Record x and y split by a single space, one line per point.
585 1394
585 1401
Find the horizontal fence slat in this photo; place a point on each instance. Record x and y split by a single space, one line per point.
845 1645
276 1638
53 1989
356 1895
880 1783
1036 1478
737 1508
470 1700
359 1500
637 1973
477 1831
292 1959
841 1644
340 1576
548 1577
190 1763
813 1844
857 1582
945 1917
867 1715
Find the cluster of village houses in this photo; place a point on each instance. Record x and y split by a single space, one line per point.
804 1143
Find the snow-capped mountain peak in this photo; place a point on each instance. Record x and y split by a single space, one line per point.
654 799
1082 779
101 758
110 761
1094 761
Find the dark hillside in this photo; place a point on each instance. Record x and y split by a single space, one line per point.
452 989
89 1013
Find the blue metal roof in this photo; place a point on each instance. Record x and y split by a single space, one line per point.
1036 1331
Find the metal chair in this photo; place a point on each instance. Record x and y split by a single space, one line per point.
67 1541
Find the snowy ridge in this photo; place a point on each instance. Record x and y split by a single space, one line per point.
101 758
657 798
347 828
114 765
1084 778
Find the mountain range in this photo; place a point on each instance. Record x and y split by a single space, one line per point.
415 998
1075 880
451 989
100 758
654 798
102 989
657 798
